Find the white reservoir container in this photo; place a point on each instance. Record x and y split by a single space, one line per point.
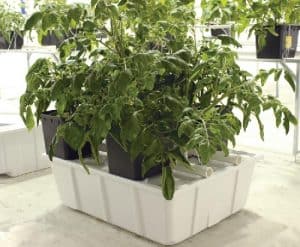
20 150
140 207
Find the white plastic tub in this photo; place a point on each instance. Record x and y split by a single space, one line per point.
20 151
139 207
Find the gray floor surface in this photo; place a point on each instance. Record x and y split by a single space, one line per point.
31 214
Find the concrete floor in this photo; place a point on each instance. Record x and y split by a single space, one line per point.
31 214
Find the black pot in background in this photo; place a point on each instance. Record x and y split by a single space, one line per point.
276 45
16 41
120 164
51 39
50 122
220 31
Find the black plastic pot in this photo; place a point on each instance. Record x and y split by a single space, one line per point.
220 31
51 39
16 41
50 122
282 46
120 164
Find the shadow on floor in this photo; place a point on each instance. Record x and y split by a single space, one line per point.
6 180
64 227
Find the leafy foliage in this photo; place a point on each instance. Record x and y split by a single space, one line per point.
225 12
56 17
149 86
260 16
11 22
265 15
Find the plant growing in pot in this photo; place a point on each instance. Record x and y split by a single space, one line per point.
154 105
276 25
49 83
11 28
56 21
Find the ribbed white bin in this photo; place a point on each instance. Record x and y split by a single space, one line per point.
21 151
139 207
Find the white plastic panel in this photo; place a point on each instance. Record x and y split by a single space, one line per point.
21 151
140 207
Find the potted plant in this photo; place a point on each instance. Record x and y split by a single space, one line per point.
152 106
275 24
55 21
49 83
11 28
124 91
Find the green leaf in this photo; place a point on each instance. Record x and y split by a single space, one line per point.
246 118
184 54
154 148
74 135
205 152
177 61
224 148
205 99
180 158
100 127
75 14
227 40
123 80
130 128
288 77
143 60
89 26
272 31
114 10
33 20
94 148
35 74
94 2
48 21
168 183
292 118
60 105
186 128
286 123
79 151
29 118
261 127
52 147
277 74
278 117
149 81
122 2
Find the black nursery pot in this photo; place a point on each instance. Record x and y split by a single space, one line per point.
50 122
282 46
120 164
51 39
16 41
220 31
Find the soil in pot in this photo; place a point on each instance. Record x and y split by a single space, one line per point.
282 46
50 122
15 43
120 164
